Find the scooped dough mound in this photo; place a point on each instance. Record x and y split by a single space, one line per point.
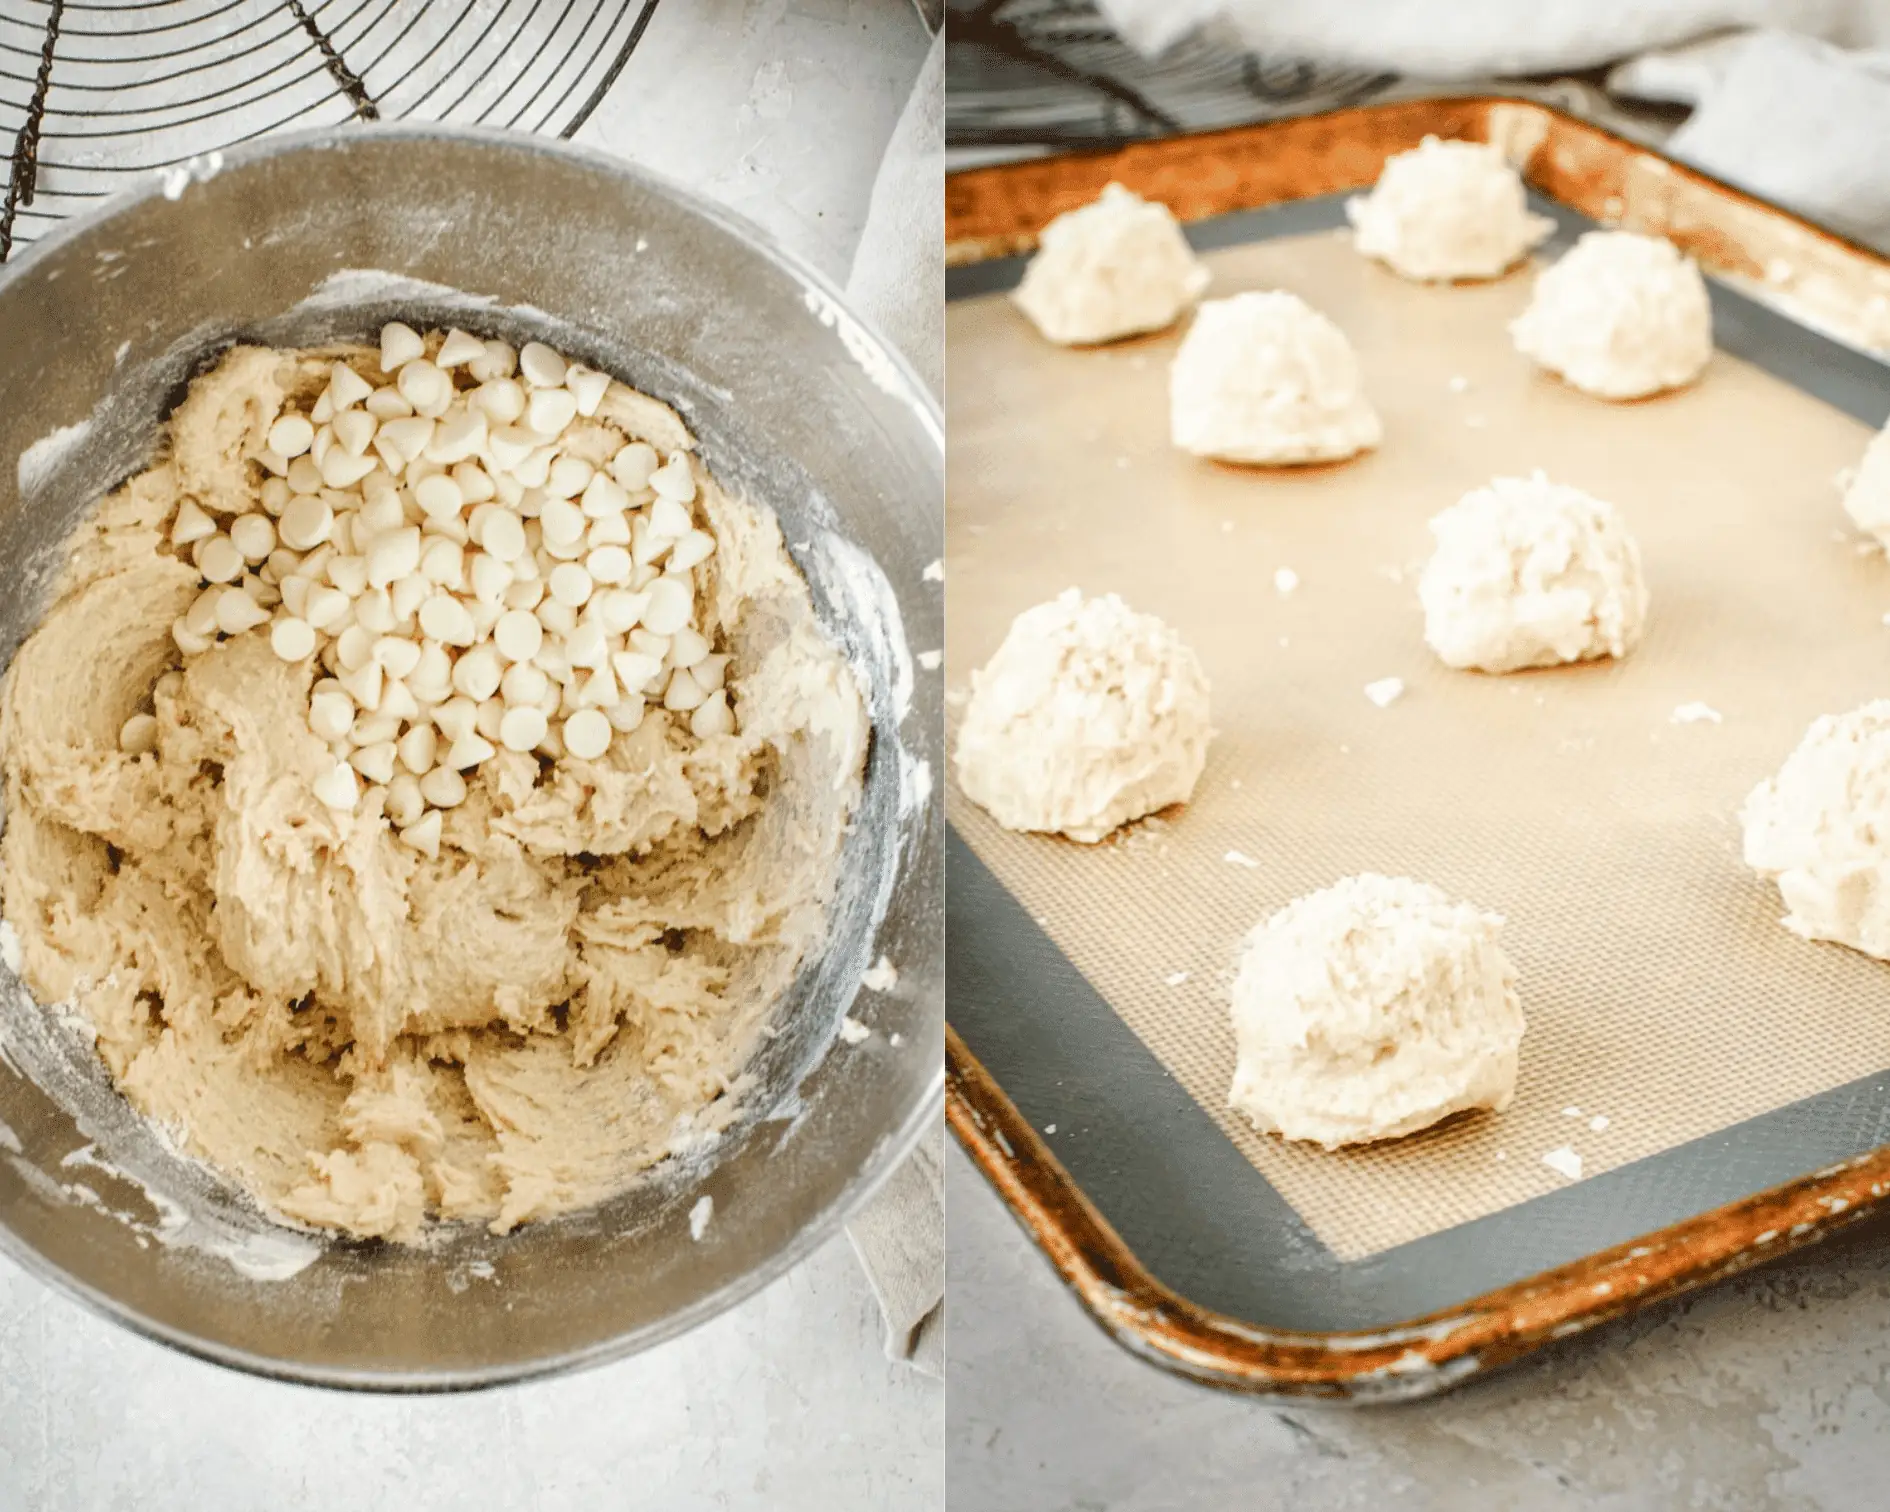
1820 829
1867 492
1089 715
1373 1009
1529 573
1447 210
1117 267
508 1024
1621 316
1265 378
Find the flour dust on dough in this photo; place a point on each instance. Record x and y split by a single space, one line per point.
1372 1009
365 1037
1447 211
1089 716
1529 573
1116 267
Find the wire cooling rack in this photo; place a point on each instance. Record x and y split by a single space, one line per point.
93 94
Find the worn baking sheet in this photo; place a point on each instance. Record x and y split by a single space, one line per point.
1723 1054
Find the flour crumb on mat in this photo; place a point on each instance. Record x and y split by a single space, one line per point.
1285 580
1571 1111
1385 692
1227 527
1564 1162
1235 858
881 977
1175 978
934 571
1502 1155
895 1039
931 661
699 1217
852 1030
1696 713
1598 1122
1122 462
1049 1128
1459 384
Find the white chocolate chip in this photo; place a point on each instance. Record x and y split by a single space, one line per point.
349 574
138 734
670 518
423 834
587 386
291 436
691 551
394 554
237 612
219 560
468 751
687 647
633 465
374 611
459 348
499 361
346 387
674 480
669 608
191 525
375 762
418 748
540 365
292 639
712 717
386 404
404 803
400 344
549 410
477 673
569 477
354 429
307 522
364 684
304 477
443 787
522 728
683 692
586 734
337 787
331 714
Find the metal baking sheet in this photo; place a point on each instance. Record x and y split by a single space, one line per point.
1166 1168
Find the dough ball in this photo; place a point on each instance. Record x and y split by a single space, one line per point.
1089 716
1114 268
1264 377
1867 494
1621 316
1820 829
1529 573
1447 210
1371 1010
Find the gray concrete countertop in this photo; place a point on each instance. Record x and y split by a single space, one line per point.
1769 1392
781 110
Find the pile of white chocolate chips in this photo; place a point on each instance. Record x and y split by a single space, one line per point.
467 579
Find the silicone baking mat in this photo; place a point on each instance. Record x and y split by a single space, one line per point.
1595 807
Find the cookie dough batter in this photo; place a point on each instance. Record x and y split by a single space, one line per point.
1621 316
1447 210
1373 1009
1089 715
503 1019
1117 267
1265 378
1529 573
1820 829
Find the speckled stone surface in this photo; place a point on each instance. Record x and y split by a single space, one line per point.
781 110
1769 1392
